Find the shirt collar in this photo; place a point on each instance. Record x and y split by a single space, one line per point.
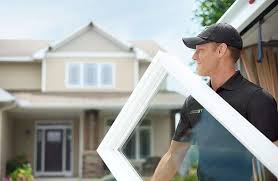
232 83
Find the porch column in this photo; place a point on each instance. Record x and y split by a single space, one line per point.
92 163
91 130
81 144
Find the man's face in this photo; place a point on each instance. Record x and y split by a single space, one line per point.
206 58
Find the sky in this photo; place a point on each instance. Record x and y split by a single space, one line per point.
165 21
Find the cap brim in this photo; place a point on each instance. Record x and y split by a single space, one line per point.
193 41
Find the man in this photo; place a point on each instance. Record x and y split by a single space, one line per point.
222 157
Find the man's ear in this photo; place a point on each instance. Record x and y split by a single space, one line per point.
221 50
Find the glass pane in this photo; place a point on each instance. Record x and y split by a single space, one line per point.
145 143
146 122
130 148
106 74
39 150
68 149
90 74
152 137
74 74
110 122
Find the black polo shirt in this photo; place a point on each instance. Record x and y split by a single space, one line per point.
221 155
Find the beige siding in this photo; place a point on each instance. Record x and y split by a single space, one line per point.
24 143
20 76
90 41
161 133
6 141
56 70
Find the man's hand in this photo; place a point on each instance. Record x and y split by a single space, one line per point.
171 161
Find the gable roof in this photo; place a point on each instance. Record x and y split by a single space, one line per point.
57 44
83 29
30 50
20 50
149 46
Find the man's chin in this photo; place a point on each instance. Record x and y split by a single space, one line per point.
201 73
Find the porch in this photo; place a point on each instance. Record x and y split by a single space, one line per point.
70 136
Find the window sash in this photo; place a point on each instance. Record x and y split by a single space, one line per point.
90 74
106 74
83 75
74 74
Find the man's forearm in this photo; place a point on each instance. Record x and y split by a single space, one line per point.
166 169
171 161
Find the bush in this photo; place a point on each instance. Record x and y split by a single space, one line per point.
19 169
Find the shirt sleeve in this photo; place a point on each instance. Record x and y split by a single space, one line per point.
262 113
182 132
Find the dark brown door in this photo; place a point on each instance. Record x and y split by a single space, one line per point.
54 150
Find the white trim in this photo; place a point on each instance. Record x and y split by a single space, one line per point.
16 59
110 148
91 55
82 84
64 172
241 13
86 105
43 75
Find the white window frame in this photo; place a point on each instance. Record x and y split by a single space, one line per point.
82 84
61 125
137 139
162 65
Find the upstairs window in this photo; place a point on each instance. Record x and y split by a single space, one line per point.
90 75
74 74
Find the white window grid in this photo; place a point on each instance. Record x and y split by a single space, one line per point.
82 83
162 65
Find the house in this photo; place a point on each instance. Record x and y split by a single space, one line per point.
57 100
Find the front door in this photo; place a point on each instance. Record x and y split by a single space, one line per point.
53 149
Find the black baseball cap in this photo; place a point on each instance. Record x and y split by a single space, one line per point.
219 33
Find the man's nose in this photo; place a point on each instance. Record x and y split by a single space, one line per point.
194 56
